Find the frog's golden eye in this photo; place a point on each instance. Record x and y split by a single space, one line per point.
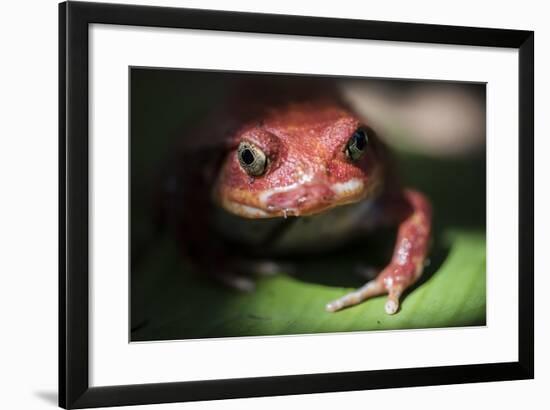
252 159
357 144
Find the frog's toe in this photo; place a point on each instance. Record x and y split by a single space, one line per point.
392 304
264 267
240 283
367 291
391 307
270 268
334 306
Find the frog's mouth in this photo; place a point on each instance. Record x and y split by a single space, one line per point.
294 200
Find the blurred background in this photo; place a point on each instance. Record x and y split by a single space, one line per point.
436 131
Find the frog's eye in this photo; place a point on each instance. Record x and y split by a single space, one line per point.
357 144
252 159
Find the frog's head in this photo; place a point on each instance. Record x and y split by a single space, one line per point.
300 159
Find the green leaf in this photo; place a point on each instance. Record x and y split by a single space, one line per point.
172 302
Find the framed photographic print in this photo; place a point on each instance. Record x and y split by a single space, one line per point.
255 204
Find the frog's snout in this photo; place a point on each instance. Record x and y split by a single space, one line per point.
305 198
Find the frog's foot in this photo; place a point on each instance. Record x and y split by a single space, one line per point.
367 291
264 267
407 261
244 280
393 280
237 282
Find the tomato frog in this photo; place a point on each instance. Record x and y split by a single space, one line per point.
285 169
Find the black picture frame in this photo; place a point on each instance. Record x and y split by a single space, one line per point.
74 387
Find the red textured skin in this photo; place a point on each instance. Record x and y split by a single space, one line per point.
411 245
304 136
299 139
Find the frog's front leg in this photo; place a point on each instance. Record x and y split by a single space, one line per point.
407 262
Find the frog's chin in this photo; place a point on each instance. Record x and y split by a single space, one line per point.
303 200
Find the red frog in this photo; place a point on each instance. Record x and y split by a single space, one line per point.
287 168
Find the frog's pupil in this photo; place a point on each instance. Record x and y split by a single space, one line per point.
360 140
247 156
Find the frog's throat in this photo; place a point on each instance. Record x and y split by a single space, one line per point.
295 199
